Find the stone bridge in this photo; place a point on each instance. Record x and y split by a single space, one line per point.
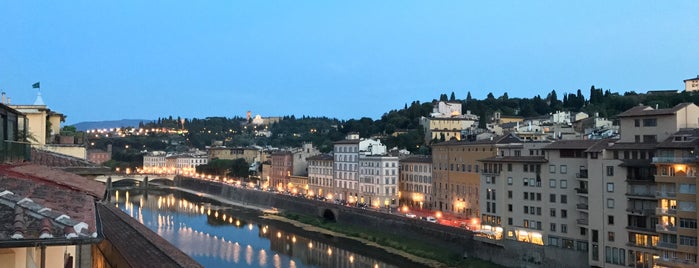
131 180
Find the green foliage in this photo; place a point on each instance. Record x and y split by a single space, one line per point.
224 167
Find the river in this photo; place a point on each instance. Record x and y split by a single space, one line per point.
221 235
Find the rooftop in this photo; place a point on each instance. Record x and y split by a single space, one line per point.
649 111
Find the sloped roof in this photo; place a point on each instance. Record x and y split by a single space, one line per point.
139 246
320 157
571 144
38 212
52 176
686 139
66 162
417 159
515 159
649 111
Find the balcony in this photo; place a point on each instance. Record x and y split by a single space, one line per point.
665 211
582 206
641 194
581 190
582 174
676 262
663 244
666 228
640 245
650 230
641 211
583 221
665 194
675 159
14 151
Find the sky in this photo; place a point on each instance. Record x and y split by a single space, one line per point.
110 60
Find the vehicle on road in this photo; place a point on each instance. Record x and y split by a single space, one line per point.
411 215
431 219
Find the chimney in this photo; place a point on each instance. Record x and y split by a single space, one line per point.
3 97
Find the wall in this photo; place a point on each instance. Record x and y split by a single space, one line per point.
508 253
74 151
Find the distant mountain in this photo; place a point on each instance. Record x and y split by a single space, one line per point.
82 126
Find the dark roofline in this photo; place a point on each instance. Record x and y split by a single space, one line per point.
692 79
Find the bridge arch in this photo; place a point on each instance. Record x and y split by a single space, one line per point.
163 181
329 215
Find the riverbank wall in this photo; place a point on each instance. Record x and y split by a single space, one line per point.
458 241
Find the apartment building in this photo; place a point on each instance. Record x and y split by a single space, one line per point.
676 164
456 173
281 170
378 180
250 154
416 181
154 162
346 164
320 175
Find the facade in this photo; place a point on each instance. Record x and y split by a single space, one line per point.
456 174
250 154
154 162
281 169
176 164
444 128
691 84
416 181
346 166
676 177
320 175
42 123
378 180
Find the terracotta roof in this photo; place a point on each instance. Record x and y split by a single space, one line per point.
66 162
417 159
67 180
571 144
139 246
601 145
522 159
683 139
347 142
321 157
32 210
504 139
649 111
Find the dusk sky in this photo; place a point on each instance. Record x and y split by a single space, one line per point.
108 60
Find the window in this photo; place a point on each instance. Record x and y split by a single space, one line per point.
552 183
525 168
509 167
650 122
553 212
564 184
552 169
525 195
637 122
564 228
564 169
564 199
610 170
526 210
610 187
553 227
509 194
610 220
509 221
688 188
688 223
564 213
525 182
509 180
552 198
509 207
538 196
610 236
610 203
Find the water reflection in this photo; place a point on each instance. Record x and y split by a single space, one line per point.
217 235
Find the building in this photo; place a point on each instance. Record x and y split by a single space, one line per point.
378 180
346 164
155 163
456 173
250 154
676 177
416 181
320 175
182 163
446 122
691 84
289 163
42 123
99 156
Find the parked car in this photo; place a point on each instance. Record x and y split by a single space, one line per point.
431 219
411 215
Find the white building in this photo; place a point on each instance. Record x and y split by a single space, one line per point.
378 180
154 162
346 164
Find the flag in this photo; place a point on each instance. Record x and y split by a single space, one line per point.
36 85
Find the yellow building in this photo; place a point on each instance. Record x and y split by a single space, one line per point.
691 84
250 154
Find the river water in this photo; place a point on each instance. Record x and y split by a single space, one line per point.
220 235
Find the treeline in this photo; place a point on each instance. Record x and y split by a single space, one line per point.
322 131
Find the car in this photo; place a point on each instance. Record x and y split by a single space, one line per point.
431 219
410 215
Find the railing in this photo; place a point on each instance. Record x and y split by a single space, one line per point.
642 211
665 211
582 174
678 261
665 194
581 190
675 159
583 221
665 228
663 244
15 151
641 193
582 206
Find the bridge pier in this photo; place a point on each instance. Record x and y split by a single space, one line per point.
144 185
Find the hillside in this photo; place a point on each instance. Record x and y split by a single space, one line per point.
82 126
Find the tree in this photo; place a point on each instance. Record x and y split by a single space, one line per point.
452 97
